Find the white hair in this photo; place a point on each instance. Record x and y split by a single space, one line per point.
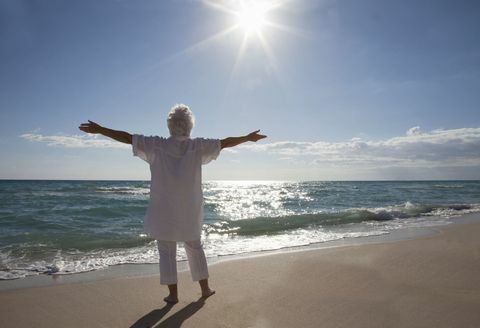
180 121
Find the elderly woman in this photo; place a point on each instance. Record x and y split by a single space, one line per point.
175 209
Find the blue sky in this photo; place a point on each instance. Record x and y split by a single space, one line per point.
344 89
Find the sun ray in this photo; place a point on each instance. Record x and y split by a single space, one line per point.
238 59
203 43
252 17
256 20
219 7
270 56
240 54
293 30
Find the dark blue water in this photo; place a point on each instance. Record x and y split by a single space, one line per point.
60 227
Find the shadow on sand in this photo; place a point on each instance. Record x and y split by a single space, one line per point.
152 318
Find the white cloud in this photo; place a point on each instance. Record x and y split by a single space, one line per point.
74 141
437 154
413 131
415 149
230 150
454 147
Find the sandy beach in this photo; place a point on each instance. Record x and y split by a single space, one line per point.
426 282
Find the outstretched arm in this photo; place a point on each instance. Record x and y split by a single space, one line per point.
235 141
92 127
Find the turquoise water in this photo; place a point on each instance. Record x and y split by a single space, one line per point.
61 227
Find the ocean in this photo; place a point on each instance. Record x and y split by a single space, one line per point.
64 227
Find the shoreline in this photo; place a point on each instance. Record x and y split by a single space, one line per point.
431 281
120 271
227 180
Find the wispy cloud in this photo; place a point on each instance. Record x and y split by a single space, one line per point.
437 148
74 141
454 147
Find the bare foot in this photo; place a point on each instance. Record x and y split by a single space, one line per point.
207 293
171 300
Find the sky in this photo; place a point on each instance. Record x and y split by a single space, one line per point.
344 89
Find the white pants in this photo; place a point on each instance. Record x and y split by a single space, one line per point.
168 261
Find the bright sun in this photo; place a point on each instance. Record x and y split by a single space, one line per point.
251 18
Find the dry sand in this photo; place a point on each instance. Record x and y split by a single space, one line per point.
428 282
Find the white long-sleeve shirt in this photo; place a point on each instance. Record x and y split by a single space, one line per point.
175 209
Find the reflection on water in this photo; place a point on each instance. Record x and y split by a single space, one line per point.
62 227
